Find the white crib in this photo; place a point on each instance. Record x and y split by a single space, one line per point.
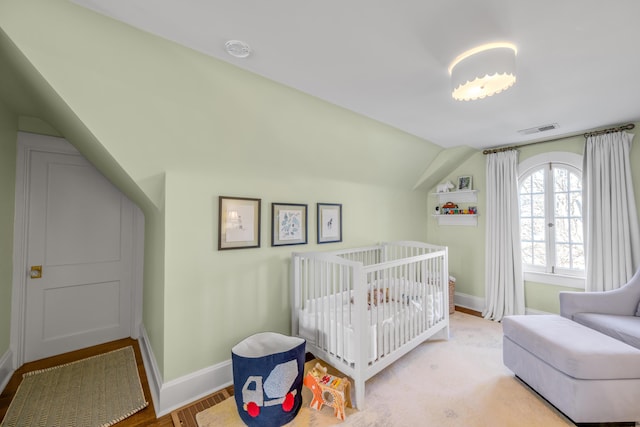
362 309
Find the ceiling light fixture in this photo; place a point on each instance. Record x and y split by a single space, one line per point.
483 71
237 48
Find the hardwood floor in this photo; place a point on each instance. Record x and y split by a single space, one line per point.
146 417
468 311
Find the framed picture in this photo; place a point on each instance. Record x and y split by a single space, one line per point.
464 183
288 224
329 222
239 225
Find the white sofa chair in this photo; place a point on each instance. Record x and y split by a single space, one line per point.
585 362
615 313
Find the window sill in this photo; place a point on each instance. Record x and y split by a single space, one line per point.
555 279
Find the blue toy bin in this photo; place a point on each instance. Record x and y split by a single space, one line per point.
267 378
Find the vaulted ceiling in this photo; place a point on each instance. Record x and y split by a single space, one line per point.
577 61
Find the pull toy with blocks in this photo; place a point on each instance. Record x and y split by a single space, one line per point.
328 390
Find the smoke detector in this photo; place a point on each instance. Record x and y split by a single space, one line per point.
237 48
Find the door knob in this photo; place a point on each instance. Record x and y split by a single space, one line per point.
35 272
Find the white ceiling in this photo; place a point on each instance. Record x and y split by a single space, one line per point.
578 60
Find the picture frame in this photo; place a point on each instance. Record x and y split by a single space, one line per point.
465 183
238 223
288 224
329 218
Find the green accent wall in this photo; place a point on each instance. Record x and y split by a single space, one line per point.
8 133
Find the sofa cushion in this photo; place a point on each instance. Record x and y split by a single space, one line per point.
572 348
623 328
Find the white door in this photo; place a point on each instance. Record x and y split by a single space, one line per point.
80 233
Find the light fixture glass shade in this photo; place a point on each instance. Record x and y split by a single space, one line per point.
483 71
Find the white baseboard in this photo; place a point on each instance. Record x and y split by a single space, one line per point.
154 378
477 303
469 301
6 369
196 385
181 391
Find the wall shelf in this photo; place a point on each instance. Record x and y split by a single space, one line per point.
460 219
461 196
457 196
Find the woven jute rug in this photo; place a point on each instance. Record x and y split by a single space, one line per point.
97 391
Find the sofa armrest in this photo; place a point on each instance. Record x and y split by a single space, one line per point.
610 302
621 301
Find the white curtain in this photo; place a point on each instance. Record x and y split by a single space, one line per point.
612 239
504 284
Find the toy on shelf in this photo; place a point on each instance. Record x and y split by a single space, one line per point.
451 208
328 390
445 187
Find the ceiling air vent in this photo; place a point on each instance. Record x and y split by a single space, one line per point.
538 129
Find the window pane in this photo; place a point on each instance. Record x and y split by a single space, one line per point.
576 230
527 253
539 230
526 229
576 182
563 255
562 205
537 181
538 205
525 205
578 256
560 179
576 204
562 230
525 185
539 257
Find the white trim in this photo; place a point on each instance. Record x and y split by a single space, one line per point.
568 158
181 391
137 275
6 369
471 302
475 303
154 377
196 385
555 279
527 166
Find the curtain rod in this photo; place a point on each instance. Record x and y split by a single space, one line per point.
610 130
586 135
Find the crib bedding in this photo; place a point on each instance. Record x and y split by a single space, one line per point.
389 309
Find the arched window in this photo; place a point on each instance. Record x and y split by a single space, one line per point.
551 233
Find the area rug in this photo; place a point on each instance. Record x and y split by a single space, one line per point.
459 382
97 391
226 413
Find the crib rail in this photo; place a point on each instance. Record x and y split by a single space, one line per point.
361 309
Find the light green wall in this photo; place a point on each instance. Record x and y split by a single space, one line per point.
186 128
223 296
467 244
8 129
